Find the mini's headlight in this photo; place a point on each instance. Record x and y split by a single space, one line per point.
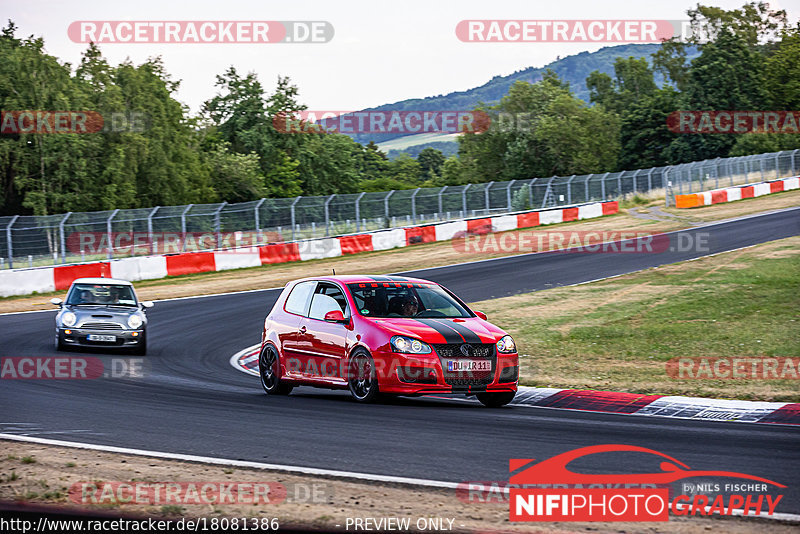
68 318
134 321
506 345
409 346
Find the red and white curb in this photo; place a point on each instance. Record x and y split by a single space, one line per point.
786 413
732 194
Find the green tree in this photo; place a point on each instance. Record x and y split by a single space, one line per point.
430 163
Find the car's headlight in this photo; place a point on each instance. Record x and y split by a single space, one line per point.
68 318
506 345
134 321
409 346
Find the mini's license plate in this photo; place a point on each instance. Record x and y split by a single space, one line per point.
469 365
100 337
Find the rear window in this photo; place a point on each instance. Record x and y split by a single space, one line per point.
297 301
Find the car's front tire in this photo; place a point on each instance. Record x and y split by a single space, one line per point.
496 400
141 348
362 379
58 344
269 369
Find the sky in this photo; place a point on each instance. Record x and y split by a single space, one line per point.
381 52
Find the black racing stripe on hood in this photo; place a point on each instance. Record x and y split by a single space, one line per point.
468 335
450 335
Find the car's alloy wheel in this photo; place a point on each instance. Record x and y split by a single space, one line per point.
269 371
362 379
495 400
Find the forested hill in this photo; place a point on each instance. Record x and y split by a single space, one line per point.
573 69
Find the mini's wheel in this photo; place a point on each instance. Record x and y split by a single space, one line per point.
362 378
141 348
269 369
59 345
495 400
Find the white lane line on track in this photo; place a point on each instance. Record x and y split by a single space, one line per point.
706 225
406 481
238 463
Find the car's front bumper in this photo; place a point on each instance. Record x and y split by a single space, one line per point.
78 337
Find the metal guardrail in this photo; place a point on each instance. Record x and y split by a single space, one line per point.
75 237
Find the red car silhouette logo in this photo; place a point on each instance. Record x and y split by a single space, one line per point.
554 470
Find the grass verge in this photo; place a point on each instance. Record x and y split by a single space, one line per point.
618 334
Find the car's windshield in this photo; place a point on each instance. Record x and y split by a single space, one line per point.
105 294
381 299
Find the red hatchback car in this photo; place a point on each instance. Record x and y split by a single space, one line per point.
384 335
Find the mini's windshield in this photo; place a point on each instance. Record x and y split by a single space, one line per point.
104 294
402 299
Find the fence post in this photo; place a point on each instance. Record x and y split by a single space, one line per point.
8 241
108 233
794 163
569 189
650 179
603 186
777 164
183 226
667 184
586 184
217 225
530 193
486 195
328 215
386 208
150 230
414 204
63 238
291 209
619 184
635 185
441 209
508 194
258 220
358 211
464 199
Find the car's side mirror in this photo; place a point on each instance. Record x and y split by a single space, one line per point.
56 301
335 316
146 304
481 315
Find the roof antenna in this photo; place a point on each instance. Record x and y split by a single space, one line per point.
334 272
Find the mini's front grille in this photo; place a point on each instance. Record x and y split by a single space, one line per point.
101 326
475 351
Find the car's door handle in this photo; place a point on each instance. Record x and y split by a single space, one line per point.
303 329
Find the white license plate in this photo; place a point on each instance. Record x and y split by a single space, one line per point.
100 337
469 365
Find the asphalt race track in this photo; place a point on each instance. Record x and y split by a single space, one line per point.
192 401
